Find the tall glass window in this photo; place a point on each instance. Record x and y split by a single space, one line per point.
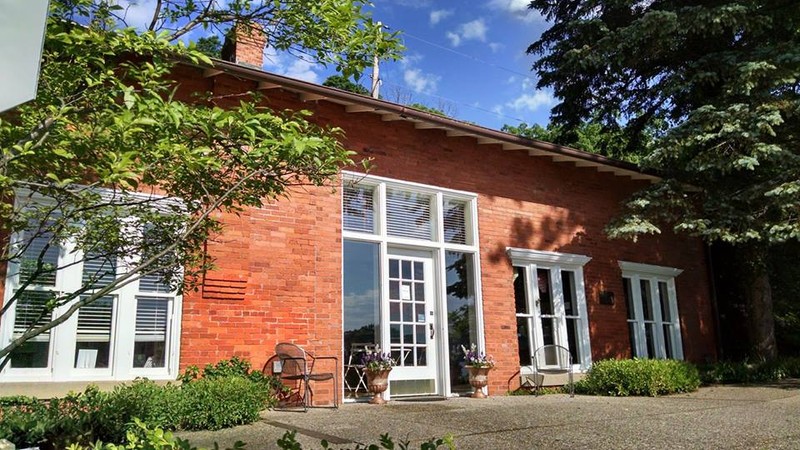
550 305
410 259
361 293
652 310
461 317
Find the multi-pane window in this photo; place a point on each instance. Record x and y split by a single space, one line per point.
407 330
651 301
123 334
550 305
409 253
407 213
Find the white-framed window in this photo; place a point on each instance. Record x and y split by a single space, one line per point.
408 213
550 301
385 219
101 340
653 321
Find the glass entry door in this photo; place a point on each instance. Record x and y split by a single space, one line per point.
412 323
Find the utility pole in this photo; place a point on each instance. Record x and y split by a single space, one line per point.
376 70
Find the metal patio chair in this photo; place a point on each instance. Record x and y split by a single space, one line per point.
298 365
552 360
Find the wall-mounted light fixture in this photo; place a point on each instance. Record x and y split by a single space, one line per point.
606 297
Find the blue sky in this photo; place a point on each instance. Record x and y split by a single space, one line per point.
466 58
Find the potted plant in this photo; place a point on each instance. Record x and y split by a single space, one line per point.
478 364
377 365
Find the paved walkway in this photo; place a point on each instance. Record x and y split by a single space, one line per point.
714 417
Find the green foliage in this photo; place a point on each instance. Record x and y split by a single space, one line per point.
639 377
720 79
144 437
428 109
214 403
155 404
229 395
235 367
345 84
720 76
210 46
726 372
589 136
106 115
288 442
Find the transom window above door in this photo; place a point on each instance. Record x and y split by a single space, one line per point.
550 300
653 321
407 211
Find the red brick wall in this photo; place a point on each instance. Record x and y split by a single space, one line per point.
290 252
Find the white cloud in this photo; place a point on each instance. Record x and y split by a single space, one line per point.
532 101
410 59
439 15
290 66
416 4
420 82
455 39
495 46
518 8
302 70
474 30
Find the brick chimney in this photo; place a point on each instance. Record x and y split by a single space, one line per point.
245 45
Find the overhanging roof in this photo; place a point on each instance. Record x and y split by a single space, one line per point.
360 104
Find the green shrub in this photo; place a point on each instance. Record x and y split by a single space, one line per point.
288 442
639 377
24 424
154 404
214 403
229 394
235 367
751 372
142 437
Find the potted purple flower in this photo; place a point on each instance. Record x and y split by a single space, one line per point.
478 364
377 365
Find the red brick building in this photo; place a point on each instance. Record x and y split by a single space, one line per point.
457 234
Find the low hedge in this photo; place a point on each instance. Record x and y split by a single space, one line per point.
639 377
224 398
726 372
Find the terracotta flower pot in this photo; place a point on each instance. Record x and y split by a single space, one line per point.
377 382
478 378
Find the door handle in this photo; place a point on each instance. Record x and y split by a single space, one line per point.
433 332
